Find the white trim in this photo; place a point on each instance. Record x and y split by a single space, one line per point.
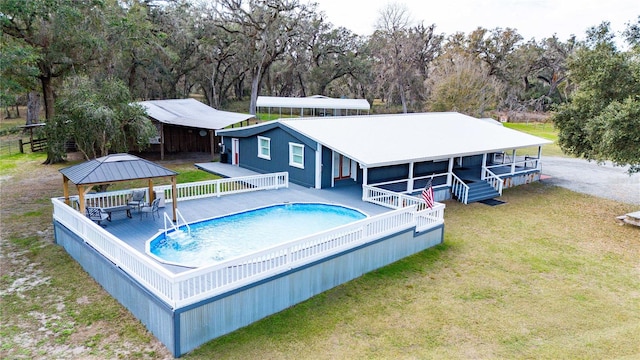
235 151
292 162
319 167
260 148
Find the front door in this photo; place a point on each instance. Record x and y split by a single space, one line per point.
341 166
235 151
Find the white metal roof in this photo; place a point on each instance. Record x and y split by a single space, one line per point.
381 140
312 102
191 113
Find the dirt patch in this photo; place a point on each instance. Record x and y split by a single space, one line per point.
50 307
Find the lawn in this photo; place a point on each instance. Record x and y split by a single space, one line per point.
549 274
543 130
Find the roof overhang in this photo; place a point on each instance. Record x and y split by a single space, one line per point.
383 140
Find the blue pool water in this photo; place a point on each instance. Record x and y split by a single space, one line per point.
233 235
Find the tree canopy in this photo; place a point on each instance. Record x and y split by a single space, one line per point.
230 50
602 119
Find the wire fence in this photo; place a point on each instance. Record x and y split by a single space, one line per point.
21 146
9 146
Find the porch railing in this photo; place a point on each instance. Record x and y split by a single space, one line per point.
406 182
519 165
494 180
459 189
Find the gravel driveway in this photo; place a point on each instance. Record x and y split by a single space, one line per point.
607 181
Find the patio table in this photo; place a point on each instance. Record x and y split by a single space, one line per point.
113 209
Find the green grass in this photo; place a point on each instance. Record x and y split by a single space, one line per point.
543 130
544 276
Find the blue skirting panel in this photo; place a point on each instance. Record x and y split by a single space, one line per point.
153 313
184 329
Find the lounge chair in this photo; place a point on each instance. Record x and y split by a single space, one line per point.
152 208
96 214
136 199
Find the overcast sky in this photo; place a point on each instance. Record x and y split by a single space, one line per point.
532 18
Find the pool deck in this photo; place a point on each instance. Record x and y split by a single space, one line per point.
137 230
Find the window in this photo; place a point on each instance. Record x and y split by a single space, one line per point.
264 147
296 155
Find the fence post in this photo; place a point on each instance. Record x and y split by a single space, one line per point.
21 146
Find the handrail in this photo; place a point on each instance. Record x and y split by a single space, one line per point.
494 180
184 222
459 188
171 225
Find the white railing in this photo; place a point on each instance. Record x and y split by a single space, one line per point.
195 190
494 180
391 199
201 283
185 288
426 218
459 189
526 164
406 181
227 186
143 269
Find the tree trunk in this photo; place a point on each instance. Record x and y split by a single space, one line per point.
255 87
33 108
47 92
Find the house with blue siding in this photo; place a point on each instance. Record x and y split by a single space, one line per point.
466 158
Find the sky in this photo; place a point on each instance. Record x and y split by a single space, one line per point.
532 18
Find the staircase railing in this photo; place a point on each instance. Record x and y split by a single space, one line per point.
494 180
459 189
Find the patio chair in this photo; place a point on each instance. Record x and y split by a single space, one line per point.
136 199
152 208
96 214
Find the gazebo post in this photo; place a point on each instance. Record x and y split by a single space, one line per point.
174 198
161 141
81 199
65 188
152 195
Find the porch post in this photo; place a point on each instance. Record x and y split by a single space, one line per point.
365 175
484 166
513 162
538 167
410 179
212 140
450 172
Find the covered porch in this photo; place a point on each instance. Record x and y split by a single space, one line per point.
467 178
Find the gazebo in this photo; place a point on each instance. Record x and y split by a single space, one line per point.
115 168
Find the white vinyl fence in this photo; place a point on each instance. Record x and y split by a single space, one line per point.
188 287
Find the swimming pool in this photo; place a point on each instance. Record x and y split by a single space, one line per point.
218 239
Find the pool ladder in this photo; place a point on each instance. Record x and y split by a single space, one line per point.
177 225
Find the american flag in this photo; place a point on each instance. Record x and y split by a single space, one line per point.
427 194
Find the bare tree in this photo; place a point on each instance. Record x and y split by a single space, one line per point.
402 55
267 27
